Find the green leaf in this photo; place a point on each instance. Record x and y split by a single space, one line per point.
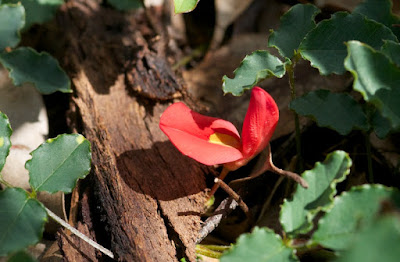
339 112
5 142
297 214
295 24
352 211
261 245
184 6
382 126
392 50
38 11
378 242
380 11
21 256
324 46
376 78
12 20
41 69
254 68
125 5
58 163
22 220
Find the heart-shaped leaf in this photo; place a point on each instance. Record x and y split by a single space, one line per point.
380 11
392 50
262 245
378 242
295 24
324 46
5 142
254 68
352 211
376 78
12 19
319 105
22 220
382 126
297 214
41 69
38 11
58 163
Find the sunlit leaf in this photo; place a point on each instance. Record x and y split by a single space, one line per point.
324 46
58 163
5 142
378 242
125 5
297 214
380 11
352 211
254 68
339 112
376 78
12 19
38 11
262 245
295 24
41 69
184 6
22 220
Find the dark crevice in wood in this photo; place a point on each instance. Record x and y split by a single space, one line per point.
173 235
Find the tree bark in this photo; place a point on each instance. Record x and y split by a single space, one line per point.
145 197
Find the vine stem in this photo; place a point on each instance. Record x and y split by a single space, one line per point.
290 70
79 234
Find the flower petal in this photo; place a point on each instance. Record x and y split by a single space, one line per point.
259 124
190 132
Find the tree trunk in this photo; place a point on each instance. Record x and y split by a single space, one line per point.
142 198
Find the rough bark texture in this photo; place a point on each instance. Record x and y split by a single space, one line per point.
145 196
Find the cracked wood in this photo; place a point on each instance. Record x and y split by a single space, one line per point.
147 196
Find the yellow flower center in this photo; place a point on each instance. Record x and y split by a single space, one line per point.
224 140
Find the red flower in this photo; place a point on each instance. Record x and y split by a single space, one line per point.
212 141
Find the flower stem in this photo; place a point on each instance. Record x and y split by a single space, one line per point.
223 174
290 71
269 165
79 234
233 194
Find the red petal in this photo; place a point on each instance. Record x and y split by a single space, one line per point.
259 124
189 132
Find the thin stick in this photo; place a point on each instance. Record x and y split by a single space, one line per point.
223 174
223 210
79 234
233 194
